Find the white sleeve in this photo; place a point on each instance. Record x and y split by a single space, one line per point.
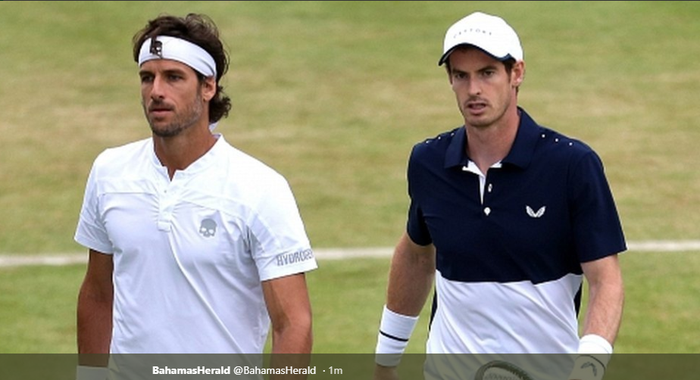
91 232
279 244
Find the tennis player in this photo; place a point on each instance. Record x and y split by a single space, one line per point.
194 246
506 219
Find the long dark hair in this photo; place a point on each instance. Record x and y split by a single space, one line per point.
200 30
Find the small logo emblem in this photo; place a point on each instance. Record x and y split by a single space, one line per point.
534 214
593 368
208 228
156 47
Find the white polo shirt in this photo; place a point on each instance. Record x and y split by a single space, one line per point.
190 253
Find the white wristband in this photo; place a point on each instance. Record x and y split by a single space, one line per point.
91 373
596 346
394 331
594 355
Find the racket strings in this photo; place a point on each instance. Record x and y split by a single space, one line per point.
499 370
501 374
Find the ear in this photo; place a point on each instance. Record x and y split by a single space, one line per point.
518 73
209 88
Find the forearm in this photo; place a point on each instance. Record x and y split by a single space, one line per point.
290 313
410 278
410 282
602 319
604 313
605 303
94 324
295 338
291 348
94 314
601 324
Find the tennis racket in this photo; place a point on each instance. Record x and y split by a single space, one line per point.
501 370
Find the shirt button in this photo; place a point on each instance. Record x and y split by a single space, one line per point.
487 210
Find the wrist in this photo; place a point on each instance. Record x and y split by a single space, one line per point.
596 346
394 332
594 353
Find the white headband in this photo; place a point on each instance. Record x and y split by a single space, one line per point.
177 49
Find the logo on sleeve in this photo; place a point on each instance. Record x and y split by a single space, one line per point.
285 259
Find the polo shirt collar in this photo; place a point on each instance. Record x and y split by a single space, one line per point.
456 154
520 153
526 139
209 158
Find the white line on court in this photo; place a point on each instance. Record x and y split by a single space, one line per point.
58 259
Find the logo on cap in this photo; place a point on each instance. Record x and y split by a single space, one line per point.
487 32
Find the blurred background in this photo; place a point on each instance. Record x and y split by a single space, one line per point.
334 95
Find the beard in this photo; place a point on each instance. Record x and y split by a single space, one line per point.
181 120
493 114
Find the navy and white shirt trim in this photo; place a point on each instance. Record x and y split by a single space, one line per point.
545 210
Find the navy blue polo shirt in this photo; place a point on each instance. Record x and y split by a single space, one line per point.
544 211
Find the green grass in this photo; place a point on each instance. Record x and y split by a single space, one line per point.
37 307
333 95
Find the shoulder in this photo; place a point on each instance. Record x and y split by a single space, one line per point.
248 166
549 144
246 175
555 145
555 140
119 157
558 153
438 142
436 147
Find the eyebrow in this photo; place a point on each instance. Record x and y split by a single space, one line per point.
165 71
485 68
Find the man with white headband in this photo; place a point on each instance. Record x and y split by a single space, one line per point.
506 219
194 246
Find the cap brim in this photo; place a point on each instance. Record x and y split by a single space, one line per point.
446 55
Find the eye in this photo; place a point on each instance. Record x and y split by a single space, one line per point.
459 75
488 73
146 78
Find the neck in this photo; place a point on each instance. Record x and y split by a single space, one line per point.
179 152
489 145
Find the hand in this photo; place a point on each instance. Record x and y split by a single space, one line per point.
587 367
385 373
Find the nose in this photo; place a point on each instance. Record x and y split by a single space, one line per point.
157 88
473 87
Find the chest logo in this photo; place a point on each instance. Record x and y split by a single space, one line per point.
535 214
208 228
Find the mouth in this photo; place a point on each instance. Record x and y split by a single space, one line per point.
159 111
476 107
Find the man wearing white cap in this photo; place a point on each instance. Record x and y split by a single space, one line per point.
506 219
195 247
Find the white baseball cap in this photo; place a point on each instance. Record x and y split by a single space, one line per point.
489 33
